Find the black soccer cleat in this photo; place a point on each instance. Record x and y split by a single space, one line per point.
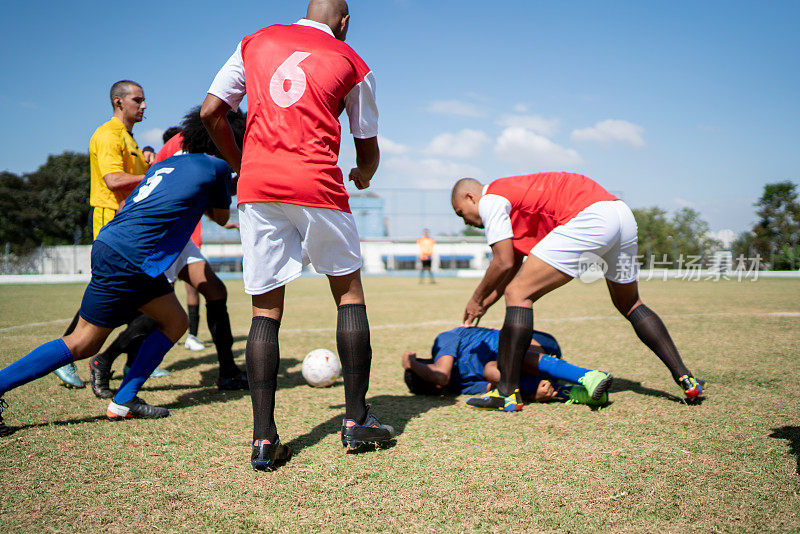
233 383
135 408
371 433
4 430
268 456
99 379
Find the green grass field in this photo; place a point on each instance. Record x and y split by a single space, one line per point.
646 463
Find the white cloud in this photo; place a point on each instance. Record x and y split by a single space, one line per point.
525 147
455 107
521 108
463 144
611 131
150 137
682 202
534 123
390 147
427 173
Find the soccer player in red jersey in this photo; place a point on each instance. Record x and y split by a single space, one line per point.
293 206
562 223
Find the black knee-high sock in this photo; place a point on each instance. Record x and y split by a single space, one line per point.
194 318
219 324
355 353
139 330
263 357
515 339
71 328
136 332
653 333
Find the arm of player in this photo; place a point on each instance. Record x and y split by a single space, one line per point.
437 373
219 215
368 157
214 115
495 295
122 181
502 265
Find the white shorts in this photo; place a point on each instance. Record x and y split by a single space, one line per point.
190 254
603 234
279 239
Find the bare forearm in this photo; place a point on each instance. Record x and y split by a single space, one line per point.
494 277
122 181
428 373
214 114
368 166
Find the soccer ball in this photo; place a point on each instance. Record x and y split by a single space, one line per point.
321 368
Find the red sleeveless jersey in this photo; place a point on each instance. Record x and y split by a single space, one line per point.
297 78
540 202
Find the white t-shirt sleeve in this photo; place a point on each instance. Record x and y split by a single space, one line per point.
362 109
228 84
494 211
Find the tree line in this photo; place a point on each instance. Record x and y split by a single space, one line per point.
50 206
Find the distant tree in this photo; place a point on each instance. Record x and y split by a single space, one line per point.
60 190
690 232
18 213
471 231
743 246
654 232
777 232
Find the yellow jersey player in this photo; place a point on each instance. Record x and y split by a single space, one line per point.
117 165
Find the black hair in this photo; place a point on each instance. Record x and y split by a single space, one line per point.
120 89
170 132
418 386
195 136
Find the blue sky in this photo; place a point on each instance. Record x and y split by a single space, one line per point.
673 104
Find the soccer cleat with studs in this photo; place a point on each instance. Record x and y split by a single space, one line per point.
580 395
493 400
68 375
596 383
692 387
268 456
357 438
136 408
99 380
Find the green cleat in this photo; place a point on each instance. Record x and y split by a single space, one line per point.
69 376
492 400
596 383
579 395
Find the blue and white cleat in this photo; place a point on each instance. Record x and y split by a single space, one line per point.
69 376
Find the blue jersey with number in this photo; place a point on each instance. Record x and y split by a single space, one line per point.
160 215
473 348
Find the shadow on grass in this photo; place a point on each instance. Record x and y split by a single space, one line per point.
792 434
623 384
65 422
393 410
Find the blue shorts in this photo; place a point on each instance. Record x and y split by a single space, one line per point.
118 289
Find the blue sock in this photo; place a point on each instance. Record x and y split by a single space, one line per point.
560 369
40 361
147 359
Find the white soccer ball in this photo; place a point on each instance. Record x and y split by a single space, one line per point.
321 368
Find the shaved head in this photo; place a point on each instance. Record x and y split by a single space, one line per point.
334 13
465 197
464 186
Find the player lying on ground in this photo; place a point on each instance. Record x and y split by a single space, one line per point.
562 222
192 267
129 258
464 361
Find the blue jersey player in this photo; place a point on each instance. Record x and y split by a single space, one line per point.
129 258
464 361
